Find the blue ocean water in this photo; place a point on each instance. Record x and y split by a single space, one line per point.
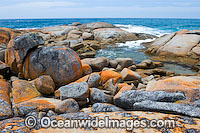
153 26
169 25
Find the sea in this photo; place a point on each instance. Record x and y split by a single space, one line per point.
130 49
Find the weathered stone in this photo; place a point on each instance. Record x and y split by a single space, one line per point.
18 49
113 63
77 91
59 31
86 69
14 125
5 104
97 64
59 62
181 124
23 91
168 107
98 96
35 104
125 62
44 84
106 75
104 107
87 36
96 25
4 68
188 85
126 99
76 46
113 35
133 67
93 80
109 86
128 75
67 106
90 54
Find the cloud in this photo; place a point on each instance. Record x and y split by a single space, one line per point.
41 4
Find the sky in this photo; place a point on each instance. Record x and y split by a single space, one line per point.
21 9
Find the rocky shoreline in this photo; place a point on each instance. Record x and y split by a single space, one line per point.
52 72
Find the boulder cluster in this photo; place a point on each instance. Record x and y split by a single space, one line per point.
42 75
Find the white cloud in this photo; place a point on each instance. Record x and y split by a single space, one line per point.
41 4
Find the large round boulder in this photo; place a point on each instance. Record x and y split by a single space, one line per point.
60 62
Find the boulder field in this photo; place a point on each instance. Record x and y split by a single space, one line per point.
51 72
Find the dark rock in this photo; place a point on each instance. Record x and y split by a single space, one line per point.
77 91
168 108
93 80
59 62
103 107
98 96
126 99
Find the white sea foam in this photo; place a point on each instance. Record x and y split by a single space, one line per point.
142 29
134 44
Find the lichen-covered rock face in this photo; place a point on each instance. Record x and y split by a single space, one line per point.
23 91
60 62
5 104
190 86
182 123
106 75
5 35
18 49
36 104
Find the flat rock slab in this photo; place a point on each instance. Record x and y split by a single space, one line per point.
182 123
168 108
126 99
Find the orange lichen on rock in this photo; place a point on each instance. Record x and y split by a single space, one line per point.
5 106
127 87
6 35
106 75
86 69
190 86
37 104
23 91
